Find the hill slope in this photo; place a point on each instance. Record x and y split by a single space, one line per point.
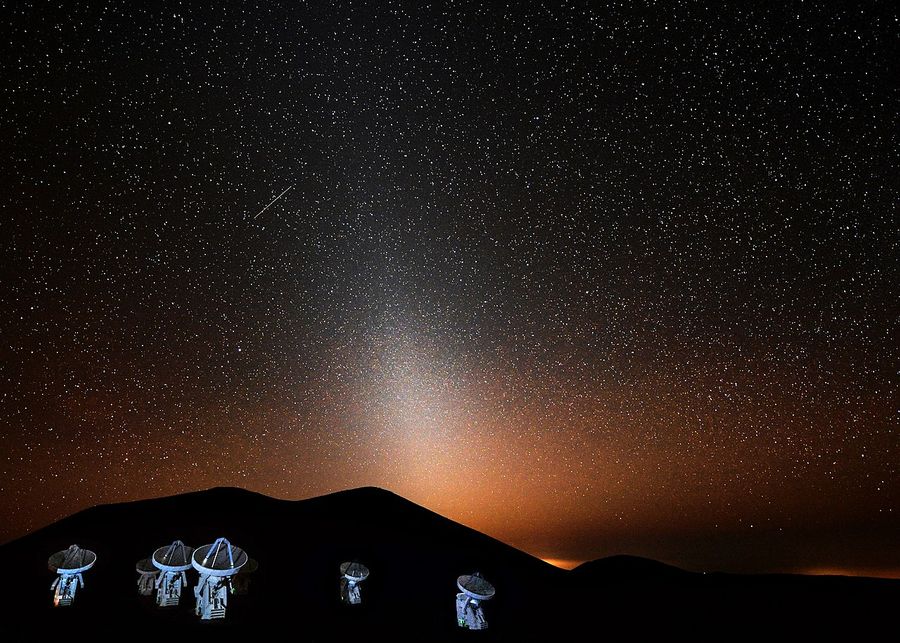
415 556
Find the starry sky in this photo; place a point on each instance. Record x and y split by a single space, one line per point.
593 278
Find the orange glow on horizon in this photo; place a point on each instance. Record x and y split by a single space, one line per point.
846 571
563 563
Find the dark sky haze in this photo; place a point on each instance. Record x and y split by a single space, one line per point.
592 278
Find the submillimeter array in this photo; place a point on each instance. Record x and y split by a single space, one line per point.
172 562
69 564
475 589
216 563
352 574
146 576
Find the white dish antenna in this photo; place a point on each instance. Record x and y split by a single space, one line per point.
356 572
220 558
73 560
217 563
474 586
172 561
69 564
144 566
174 558
352 574
147 574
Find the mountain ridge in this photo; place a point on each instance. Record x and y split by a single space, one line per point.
414 555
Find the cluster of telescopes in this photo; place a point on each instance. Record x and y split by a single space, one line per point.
224 569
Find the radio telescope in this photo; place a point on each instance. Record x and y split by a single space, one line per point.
352 574
146 576
69 564
468 602
172 562
216 563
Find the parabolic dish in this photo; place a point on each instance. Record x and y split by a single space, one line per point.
354 571
73 560
475 586
144 566
173 558
217 561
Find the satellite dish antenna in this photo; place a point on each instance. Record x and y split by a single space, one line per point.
172 562
240 582
217 563
474 589
352 574
69 564
146 576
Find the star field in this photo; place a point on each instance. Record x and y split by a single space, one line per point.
591 278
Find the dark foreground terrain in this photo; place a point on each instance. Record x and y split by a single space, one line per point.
414 556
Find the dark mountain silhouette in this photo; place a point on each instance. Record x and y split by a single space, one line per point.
414 556
629 568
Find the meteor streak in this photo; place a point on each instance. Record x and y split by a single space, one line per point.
272 201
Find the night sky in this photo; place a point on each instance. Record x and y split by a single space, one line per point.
591 278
